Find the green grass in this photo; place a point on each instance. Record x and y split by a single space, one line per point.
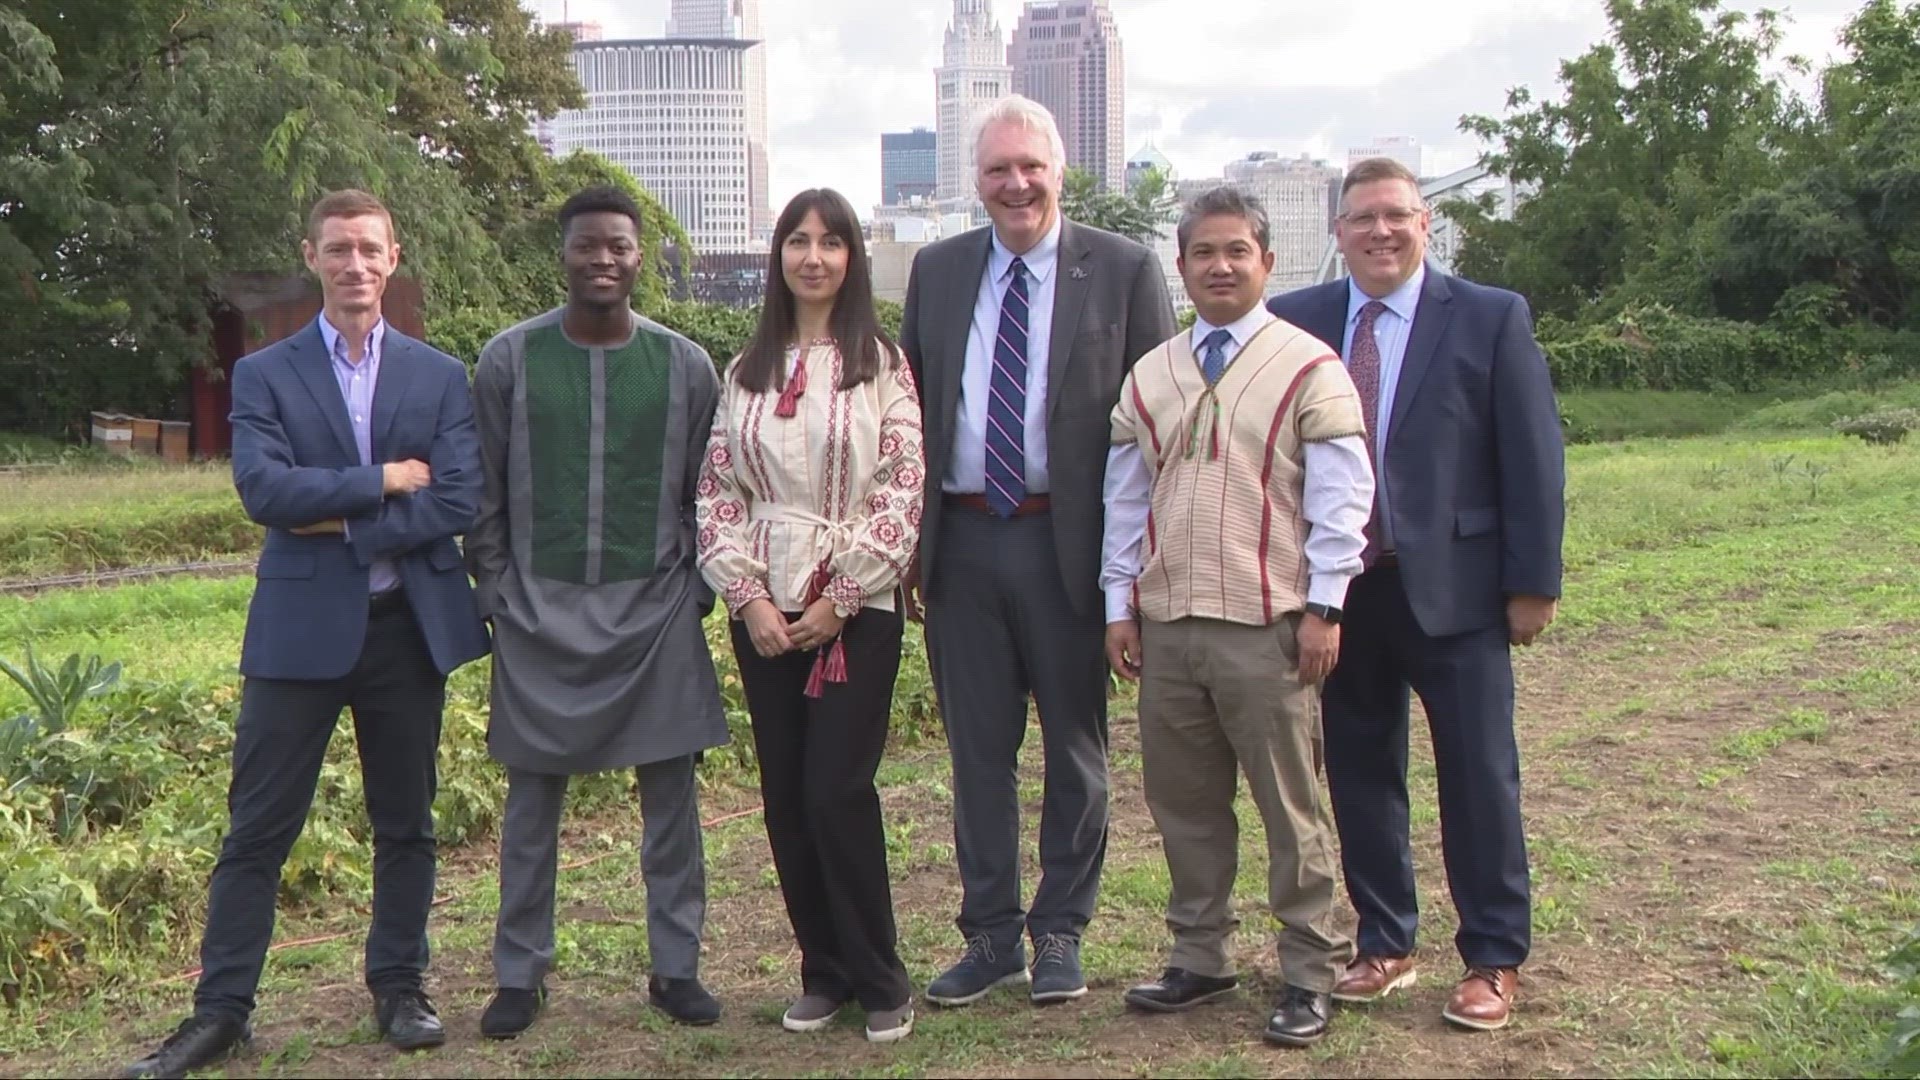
1717 738
110 514
1590 416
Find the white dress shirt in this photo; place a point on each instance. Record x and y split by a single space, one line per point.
1336 501
967 472
1390 332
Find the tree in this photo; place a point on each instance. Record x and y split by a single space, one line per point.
1656 131
1839 239
150 149
1141 214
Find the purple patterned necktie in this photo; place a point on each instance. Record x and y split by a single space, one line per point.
1363 366
1007 401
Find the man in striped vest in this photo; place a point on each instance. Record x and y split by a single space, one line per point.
1237 493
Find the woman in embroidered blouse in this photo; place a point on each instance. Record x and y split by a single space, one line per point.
809 513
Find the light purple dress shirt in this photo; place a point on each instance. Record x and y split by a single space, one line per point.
357 383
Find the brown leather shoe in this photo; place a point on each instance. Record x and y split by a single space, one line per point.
1483 1000
1370 978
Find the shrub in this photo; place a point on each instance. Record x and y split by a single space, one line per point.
1886 427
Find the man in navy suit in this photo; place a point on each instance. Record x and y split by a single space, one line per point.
355 446
1463 562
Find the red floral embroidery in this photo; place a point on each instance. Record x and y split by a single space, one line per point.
729 511
743 592
709 485
888 532
845 592
907 477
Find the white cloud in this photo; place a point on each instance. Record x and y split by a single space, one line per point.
1207 82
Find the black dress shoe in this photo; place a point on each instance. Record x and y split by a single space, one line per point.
1178 990
1301 1017
198 1043
683 999
406 1020
511 1011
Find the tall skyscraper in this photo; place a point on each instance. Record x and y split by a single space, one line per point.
673 112
1066 55
973 74
1297 194
1404 149
909 166
737 19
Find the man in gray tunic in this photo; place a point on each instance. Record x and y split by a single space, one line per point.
593 421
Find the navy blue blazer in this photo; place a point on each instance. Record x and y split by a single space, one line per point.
1475 466
295 464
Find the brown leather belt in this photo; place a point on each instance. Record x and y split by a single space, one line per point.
1032 504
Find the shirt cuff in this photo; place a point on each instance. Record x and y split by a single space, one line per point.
846 594
743 592
1328 589
1120 603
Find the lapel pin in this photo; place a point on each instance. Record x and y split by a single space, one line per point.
1078 273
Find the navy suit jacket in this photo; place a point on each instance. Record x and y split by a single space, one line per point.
295 464
1475 467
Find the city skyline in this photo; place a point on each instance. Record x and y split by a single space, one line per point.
1206 92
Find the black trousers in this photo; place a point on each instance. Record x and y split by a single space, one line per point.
818 757
1466 683
280 742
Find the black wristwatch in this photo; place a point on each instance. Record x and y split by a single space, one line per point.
1327 613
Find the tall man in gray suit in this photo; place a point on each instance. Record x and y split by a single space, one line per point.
1020 335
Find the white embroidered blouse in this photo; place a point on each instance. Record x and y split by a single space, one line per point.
833 491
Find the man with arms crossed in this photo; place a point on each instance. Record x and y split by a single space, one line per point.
1237 496
1463 563
1019 335
593 425
354 445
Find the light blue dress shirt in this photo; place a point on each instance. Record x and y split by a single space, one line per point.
357 382
967 474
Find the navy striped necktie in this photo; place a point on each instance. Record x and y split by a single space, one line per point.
1007 401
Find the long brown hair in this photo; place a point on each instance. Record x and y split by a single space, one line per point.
865 349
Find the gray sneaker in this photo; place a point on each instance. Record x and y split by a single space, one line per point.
1056 969
978 972
890 1025
811 1013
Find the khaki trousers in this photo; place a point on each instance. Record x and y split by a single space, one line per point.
1215 698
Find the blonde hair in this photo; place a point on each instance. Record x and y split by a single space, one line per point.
1022 112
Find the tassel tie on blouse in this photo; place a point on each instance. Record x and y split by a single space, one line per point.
830 539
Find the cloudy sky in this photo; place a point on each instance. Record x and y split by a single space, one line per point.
1206 82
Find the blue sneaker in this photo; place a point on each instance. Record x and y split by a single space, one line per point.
1056 969
978 972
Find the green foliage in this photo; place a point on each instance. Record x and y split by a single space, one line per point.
43 765
97 513
1885 427
1588 416
722 331
150 150
1143 214
1903 1043
1674 169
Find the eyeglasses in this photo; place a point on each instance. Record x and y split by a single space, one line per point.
1398 217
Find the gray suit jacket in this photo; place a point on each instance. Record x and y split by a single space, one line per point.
1110 307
